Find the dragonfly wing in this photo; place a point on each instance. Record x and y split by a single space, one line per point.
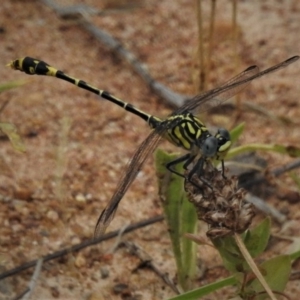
132 169
220 94
216 96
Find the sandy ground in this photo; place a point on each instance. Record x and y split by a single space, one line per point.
77 146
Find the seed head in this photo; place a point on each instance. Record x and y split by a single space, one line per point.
219 202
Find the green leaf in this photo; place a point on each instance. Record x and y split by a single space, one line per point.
295 255
256 239
188 224
232 258
170 196
276 272
236 132
180 216
289 150
11 85
205 290
11 131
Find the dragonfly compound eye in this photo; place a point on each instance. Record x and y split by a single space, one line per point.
223 136
210 146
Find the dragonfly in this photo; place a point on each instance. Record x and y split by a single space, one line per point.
182 128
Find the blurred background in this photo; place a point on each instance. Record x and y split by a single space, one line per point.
77 145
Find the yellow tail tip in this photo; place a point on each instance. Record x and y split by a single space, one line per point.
10 65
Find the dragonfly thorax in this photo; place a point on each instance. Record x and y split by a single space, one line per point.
185 130
188 132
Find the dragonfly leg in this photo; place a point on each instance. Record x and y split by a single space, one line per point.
198 170
188 158
223 169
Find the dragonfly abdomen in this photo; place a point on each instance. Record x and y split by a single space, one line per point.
34 66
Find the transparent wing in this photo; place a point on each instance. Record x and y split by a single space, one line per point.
132 169
221 93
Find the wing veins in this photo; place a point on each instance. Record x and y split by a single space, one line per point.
231 87
132 169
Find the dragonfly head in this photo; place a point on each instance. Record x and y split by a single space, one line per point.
224 142
216 146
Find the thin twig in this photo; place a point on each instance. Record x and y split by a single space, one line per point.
20 296
234 27
266 208
75 11
72 10
82 245
200 53
276 172
262 205
116 47
286 168
147 261
235 54
34 278
210 41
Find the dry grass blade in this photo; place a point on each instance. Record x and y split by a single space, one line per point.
253 266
